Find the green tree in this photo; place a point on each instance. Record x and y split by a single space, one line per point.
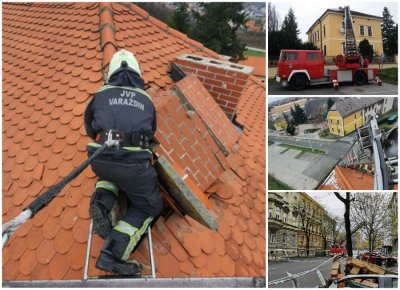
366 49
298 114
290 31
180 19
389 33
308 46
290 128
329 103
217 25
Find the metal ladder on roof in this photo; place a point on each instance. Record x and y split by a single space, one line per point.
151 254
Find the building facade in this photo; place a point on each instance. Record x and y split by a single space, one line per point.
350 113
310 215
327 32
393 208
282 229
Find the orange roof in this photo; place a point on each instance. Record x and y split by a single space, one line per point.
54 58
258 62
345 178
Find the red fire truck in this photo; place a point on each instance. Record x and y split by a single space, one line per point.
299 68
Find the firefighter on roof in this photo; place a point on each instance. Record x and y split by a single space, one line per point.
123 110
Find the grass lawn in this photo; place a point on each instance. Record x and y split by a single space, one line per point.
250 52
304 149
274 183
309 131
331 136
287 149
389 75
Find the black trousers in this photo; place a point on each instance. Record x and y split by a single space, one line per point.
138 180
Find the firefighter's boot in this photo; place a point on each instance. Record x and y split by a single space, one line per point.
101 203
107 262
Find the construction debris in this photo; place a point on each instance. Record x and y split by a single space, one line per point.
356 267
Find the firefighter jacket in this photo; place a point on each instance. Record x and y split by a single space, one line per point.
124 108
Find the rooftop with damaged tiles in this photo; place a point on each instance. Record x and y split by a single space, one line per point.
53 62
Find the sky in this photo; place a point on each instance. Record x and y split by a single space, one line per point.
305 16
329 201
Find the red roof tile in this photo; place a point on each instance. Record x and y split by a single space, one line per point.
54 59
343 178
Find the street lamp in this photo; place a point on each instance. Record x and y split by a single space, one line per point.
310 145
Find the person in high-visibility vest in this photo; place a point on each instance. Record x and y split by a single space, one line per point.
122 105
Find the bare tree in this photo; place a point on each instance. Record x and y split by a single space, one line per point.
328 226
370 211
346 201
273 18
339 227
308 221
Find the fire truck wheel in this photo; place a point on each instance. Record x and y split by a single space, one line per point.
298 82
360 78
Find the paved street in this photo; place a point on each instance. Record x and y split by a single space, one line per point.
310 169
344 89
277 270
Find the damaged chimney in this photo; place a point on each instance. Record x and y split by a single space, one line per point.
224 80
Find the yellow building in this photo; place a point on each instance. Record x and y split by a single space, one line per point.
327 32
310 216
285 108
280 123
348 114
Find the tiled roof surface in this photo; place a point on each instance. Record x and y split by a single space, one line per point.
258 62
345 178
54 58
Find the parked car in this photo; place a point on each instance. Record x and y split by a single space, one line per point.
378 259
366 281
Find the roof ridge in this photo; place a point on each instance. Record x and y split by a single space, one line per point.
164 27
108 43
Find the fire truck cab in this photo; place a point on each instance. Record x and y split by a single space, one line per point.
299 68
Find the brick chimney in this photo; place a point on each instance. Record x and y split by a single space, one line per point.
224 80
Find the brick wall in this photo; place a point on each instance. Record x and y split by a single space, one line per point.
182 142
194 96
224 80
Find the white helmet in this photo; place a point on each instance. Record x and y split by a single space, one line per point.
118 58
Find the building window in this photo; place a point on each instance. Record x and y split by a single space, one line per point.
324 49
317 34
355 115
362 30
272 238
278 213
337 122
284 238
372 47
369 28
324 30
338 131
284 217
331 121
270 212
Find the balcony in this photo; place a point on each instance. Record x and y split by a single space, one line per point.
275 224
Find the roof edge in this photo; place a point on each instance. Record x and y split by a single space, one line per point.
337 12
